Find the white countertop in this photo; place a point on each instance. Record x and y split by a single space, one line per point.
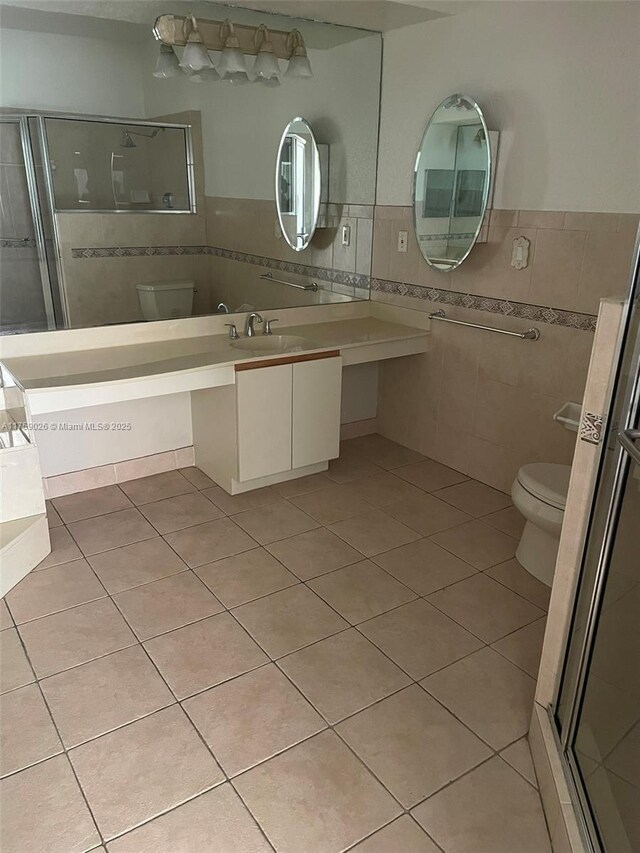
107 373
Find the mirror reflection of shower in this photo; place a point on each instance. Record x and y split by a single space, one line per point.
129 142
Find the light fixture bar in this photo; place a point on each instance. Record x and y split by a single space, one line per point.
171 29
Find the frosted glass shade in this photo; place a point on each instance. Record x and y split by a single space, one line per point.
167 64
299 66
195 57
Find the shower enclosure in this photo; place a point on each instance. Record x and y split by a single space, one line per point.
597 713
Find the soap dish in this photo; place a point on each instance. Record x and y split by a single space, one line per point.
569 416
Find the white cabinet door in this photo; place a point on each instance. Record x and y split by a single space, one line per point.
316 411
264 400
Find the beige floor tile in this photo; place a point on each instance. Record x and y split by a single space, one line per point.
53 517
50 792
509 520
215 821
63 549
512 574
27 733
288 620
204 654
302 485
60 587
94 535
478 544
143 769
93 502
166 604
347 469
419 638
495 810
15 670
157 487
374 532
518 755
233 504
427 514
343 674
430 475
361 591
489 694
394 456
182 511
314 553
474 498
382 490
197 477
211 541
5 617
137 564
524 647
252 718
423 566
316 797
624 759
402 836
485 607
333 504
75 636
99 696
274 521
412 744
243 577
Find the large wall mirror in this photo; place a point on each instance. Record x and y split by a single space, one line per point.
298 182
451 182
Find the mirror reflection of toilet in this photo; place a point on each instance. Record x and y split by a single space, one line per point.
166 300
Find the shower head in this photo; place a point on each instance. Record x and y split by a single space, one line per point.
127 141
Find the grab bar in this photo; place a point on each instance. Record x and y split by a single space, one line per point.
269 277
530 335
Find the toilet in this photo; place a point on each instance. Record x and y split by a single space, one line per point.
540 493
166 300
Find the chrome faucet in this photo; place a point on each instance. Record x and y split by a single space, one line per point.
248 329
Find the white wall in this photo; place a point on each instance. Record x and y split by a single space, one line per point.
560 81
242 126
46 71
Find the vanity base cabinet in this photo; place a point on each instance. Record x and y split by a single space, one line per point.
278 422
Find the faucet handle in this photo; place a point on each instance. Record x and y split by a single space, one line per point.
233 332
267 324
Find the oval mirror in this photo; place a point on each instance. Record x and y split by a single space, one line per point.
451 182
298 183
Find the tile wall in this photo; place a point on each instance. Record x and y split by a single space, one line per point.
483 403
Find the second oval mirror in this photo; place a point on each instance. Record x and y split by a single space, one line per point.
298 183
451 182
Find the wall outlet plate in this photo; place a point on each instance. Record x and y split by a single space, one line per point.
520 253
403 240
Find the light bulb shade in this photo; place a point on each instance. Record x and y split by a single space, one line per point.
236 78
266 65
270 82
195 57
232 61
205 75
167 64
299 66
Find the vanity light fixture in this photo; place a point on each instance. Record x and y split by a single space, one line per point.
167 64
232 66
205 75
195 56
266 68
299 65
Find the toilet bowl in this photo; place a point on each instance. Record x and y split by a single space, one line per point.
539 492
166 300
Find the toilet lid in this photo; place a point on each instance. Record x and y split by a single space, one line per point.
546 481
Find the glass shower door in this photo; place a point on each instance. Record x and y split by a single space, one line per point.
598 712
26 302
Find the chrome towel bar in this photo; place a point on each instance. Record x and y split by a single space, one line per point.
269 277
529 335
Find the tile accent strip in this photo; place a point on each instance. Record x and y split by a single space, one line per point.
591 428
17 243
539 313
504 307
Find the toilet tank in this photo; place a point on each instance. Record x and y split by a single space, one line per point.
166 300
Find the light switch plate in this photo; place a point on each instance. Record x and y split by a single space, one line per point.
520 253
402 240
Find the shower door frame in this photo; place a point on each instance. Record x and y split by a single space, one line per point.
630 412
22 121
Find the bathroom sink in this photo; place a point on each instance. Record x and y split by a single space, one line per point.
265 344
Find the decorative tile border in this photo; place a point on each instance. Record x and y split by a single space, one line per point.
539 313
18 243
591 428
504 307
